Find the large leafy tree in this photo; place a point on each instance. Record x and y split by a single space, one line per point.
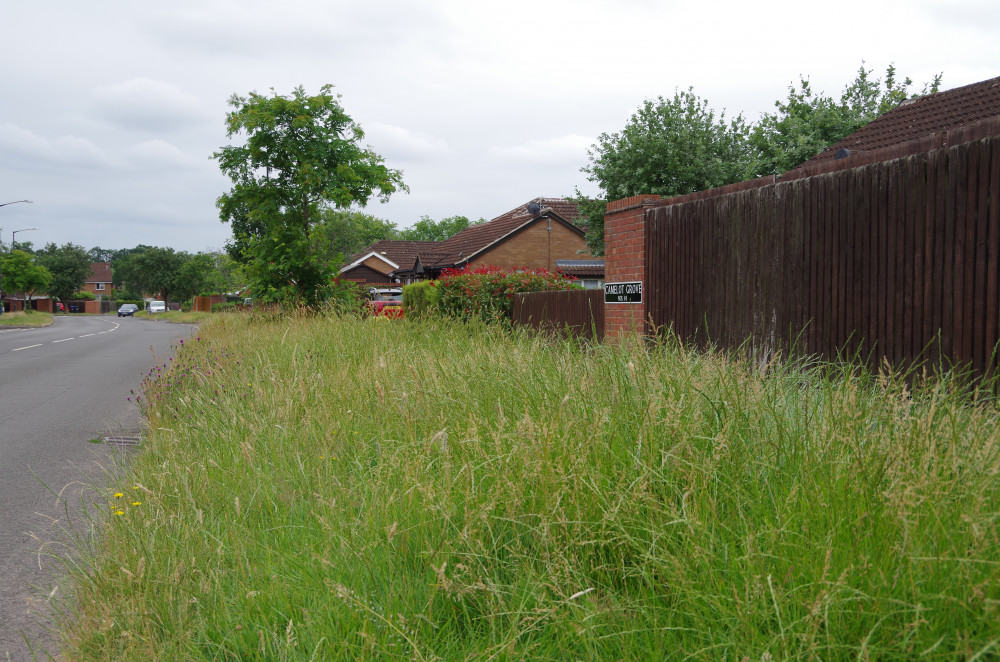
300 154
153 270
673 147
668 147
807 122
69 265
21 273
349 231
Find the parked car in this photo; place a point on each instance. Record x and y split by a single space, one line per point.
127 310
387 301
157 307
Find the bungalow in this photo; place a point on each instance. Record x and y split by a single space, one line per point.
539 234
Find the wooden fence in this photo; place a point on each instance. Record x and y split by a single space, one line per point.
580 312
894 261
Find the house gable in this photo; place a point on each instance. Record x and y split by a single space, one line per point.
536 244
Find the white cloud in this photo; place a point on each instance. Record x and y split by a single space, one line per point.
402 144
571 149
147 104
22 148
159 154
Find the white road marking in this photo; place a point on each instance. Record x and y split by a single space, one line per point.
63 340
18 349
87 335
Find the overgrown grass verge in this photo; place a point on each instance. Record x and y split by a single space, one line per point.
176 316
325 488
26 318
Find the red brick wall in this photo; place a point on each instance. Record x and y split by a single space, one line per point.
536 248
625 261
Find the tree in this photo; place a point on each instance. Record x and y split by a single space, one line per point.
427 229
807 123
668 147
69 265
98 254
675 147
153 270
350 231
301 154
21 274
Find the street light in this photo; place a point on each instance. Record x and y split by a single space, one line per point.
4 204
14 234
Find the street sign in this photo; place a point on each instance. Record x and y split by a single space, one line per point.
623 292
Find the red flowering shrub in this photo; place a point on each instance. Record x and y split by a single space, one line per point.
488 292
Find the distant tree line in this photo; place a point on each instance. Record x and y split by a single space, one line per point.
62 271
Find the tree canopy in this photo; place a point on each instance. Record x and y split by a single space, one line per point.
807 122
675 146
427 229
153 270
21 274
300 154
347 231
69 265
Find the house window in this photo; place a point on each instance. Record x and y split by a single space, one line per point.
591 284
99 286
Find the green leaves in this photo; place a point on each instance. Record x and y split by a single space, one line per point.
807 123
675 146
301 155
69 265
22 275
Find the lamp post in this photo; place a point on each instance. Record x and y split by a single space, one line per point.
4 204
14 234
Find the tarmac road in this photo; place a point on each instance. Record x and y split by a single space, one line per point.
60 387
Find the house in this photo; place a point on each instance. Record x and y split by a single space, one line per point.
914 126
99 281
375 264
536 235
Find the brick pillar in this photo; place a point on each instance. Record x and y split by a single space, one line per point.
625 261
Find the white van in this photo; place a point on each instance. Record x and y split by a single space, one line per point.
157 307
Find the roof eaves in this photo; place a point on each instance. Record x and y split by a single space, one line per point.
365 257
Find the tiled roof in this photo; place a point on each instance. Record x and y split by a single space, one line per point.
475 238
581 268
100 272
402 253
921 117
472 239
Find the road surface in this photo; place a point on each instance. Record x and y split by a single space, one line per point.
60 387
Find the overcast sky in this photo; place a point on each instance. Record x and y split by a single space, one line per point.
110 110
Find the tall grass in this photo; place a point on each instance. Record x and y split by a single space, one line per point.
326 488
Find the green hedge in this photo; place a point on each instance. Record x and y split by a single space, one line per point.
421 299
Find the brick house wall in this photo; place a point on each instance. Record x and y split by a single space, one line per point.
536 248
625 261
99 282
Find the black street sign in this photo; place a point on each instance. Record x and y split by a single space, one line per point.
623 292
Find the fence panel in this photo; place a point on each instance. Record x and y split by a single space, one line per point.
894 261
580 312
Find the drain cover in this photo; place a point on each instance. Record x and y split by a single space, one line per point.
123 441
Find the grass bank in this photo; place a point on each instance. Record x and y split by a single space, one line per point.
26 318
176 316
319 489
